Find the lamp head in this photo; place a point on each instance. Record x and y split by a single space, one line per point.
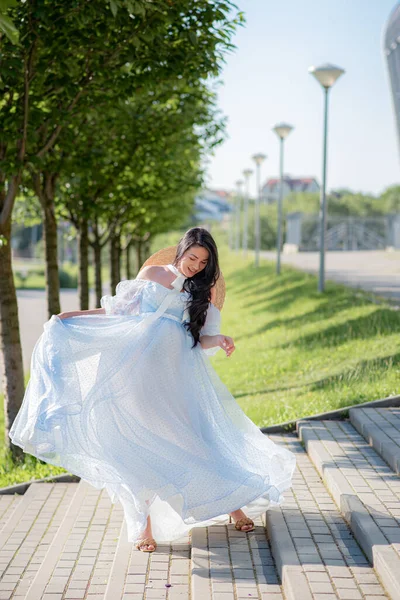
282 130
326 74
259 158
247 173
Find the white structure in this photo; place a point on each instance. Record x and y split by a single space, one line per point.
212 205
270 190
392 52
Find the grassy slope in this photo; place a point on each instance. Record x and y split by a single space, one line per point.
297 352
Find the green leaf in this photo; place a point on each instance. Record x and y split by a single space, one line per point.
114 7
192 37
8 27
5 4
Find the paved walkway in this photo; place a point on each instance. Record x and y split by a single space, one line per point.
67 541
375 271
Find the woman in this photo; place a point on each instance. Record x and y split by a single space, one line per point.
125 397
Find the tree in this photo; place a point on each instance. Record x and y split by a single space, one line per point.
70 56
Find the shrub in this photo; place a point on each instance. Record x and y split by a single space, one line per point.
67 280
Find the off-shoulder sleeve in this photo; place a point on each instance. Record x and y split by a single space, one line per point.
212 326
127 299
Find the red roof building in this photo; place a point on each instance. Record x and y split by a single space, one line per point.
270 190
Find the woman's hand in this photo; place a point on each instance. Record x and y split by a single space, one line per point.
226 343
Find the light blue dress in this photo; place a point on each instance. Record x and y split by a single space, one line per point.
124 402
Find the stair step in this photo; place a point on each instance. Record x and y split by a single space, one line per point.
365 490
313 546
381 428
8 503
24 537
228 564
80 553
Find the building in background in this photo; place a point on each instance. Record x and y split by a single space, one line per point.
270 190
392 53
212 205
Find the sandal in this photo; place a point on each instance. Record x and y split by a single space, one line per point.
139 545
241 522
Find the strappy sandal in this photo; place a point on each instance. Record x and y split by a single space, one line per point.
146 542
241 522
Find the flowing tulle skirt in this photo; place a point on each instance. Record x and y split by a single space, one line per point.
132 408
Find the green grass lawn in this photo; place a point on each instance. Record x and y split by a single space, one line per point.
297 353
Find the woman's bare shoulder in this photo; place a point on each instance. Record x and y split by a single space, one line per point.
153 273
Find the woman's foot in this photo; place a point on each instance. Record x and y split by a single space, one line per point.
242 523
146 542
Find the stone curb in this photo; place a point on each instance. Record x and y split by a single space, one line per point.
294 582
20 488
382 556
338 414
377 438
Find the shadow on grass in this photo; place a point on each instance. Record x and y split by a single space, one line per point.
363 368
381 322
274 295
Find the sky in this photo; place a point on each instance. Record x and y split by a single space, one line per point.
266 81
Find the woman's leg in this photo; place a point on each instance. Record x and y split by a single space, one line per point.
147 533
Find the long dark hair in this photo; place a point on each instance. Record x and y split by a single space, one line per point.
200 284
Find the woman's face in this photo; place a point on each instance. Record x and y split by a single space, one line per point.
193 260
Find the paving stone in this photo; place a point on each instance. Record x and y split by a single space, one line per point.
335 550
344 459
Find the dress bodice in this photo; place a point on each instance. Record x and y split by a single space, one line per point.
151 300
155 293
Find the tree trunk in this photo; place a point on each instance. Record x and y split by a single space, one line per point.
44 185
83 278
115 257
139 254
10 342
51 253
128 260
97 271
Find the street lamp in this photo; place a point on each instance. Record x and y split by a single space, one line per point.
258 159
232 219
239 185
326 75
282 130
247 173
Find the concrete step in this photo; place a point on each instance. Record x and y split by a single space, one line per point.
24 535
313 547
8 503
381 428
80 553
229 565
365 490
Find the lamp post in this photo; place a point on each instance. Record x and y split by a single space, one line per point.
247 173
282 130
232 219
239 185
258 159
326 75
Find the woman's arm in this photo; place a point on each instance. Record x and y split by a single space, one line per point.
77 313
223 341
